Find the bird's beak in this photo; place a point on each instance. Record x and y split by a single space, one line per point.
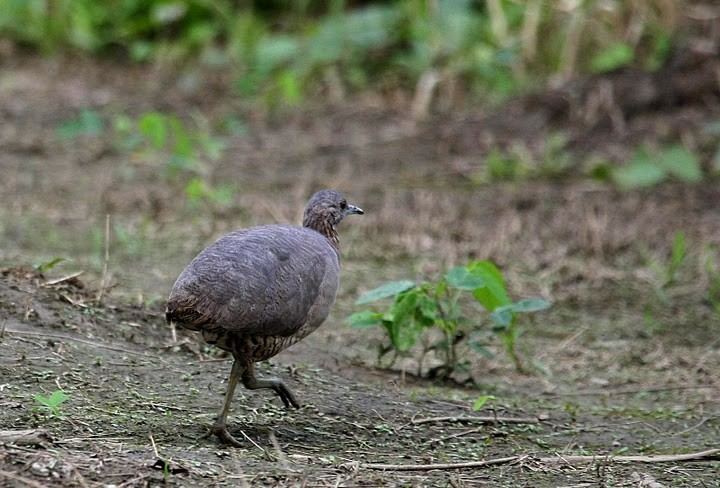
352 209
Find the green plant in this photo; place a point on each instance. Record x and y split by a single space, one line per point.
612 57
713 291
53 402
556 160
437 307
677 257
503 167
46 266
285 52
198 190
88 122
481 401
520 163
666 271
185 149
168 137
647 169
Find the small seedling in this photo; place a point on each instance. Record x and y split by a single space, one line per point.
677 257
666 271
420 307
53 402
481 401
46 266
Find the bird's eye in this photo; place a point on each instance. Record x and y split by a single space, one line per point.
343 205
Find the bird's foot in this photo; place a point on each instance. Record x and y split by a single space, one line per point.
220 430
287 396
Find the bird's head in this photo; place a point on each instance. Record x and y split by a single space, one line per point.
326 209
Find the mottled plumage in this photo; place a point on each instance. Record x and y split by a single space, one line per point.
256 291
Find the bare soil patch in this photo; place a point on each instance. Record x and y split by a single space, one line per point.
129 387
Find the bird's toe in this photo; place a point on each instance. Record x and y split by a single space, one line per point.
220 430
287 397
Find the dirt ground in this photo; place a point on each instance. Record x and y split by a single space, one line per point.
620 364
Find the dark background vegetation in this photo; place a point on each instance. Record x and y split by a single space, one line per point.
575 144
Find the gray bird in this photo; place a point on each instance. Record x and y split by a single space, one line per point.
257 291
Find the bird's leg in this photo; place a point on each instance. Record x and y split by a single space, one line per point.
220 426
252 383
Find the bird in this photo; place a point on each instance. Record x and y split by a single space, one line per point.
256 291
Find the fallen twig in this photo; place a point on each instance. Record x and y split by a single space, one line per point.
477 419
61 337
445 466
63 279
699 424
152 441
709 454
27 437
264 451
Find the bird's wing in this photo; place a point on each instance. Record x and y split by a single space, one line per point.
262 282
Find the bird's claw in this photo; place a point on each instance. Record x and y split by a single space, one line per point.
220 430
287 397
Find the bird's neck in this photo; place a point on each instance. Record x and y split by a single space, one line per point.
325 228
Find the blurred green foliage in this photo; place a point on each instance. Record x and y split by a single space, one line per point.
186 150
283 51
648 168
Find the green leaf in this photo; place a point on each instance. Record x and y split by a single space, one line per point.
366 318
480 348
389 289
646 170
530 305
680 163
638 174
52 402
601 172
273 51
58 397
183 147
461 278
406 335
290 87
196 190
481 401
403 309
429 311
88 122
679 252
405 329
48 265
503 317
493 294
153 126
612 57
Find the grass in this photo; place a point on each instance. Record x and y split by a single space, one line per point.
287 53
